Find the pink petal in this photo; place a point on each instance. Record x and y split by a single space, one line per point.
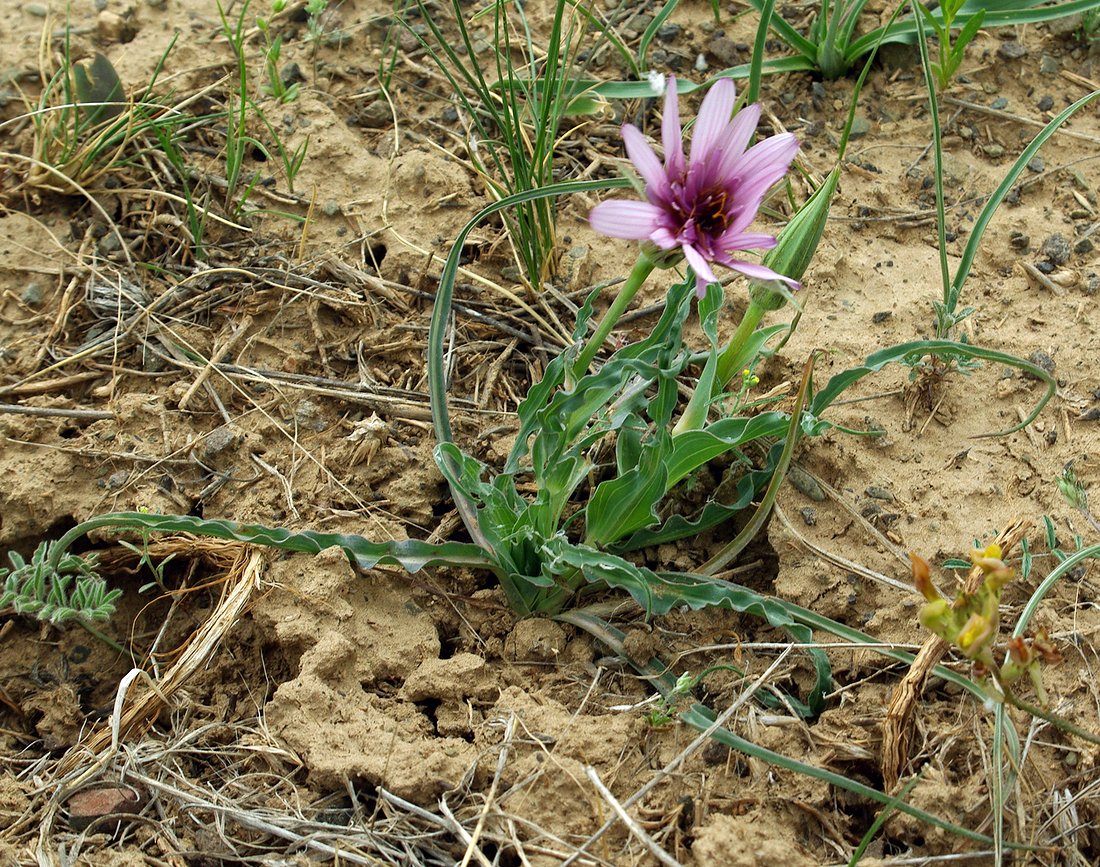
741 130
714 118
745 241
663 238
703 272
622 218
671 135
773 154
760 272
646 162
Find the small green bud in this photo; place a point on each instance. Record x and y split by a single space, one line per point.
796 244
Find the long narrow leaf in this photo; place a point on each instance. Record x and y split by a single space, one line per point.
701 718
995 16
412 555
441 314
787 33
976 234
911 353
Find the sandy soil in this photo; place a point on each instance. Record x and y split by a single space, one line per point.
335 705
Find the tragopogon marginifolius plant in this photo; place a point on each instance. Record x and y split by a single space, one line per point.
602 448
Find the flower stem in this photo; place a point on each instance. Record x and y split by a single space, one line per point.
733 358
730 360
1062 723
638 275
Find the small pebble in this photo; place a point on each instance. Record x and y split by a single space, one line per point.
999 103
1011 51
860 126
1019 241
804 482
38 10
292 74
1056 249
217 441
809 515
1036 164
330 208
1039 359
32 294
1049 66
878 492
375 115
1046 103
450 114
1083 247
668 32
95 803
993 150
881 316
723 51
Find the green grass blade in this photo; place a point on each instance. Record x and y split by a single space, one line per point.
1002 726
701 718
788 34
995 16
911 353
651 31
945 319
441 314
759 49
976 234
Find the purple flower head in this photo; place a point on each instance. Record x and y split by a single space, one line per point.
702 206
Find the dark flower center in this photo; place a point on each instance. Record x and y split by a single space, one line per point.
712 212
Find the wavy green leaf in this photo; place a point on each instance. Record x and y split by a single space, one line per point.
411 554
628 502
692 449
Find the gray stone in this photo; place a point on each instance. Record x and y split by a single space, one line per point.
860 126
1040 359
1056 249
668 32
1011 50
217 441
32 294
376 115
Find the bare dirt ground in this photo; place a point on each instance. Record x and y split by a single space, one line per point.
308 710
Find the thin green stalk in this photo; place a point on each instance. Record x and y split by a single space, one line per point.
642 269
945 318
756 522
732 358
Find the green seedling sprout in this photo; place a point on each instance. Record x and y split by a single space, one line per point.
951 53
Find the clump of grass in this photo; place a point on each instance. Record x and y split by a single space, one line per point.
84 125
513 95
